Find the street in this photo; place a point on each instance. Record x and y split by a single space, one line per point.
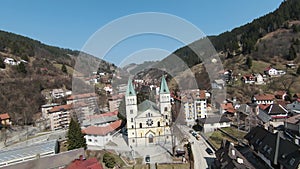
202 159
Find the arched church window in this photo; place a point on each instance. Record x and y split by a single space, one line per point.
141 125
158 124
166 108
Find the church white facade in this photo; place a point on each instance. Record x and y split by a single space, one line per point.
148 123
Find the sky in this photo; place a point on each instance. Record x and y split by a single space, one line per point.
71 23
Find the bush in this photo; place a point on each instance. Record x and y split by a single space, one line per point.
109 160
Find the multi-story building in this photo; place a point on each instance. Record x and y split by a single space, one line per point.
60 116
194 105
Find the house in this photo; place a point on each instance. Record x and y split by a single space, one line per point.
227 156
281 94
5 120
82 163
273 148
89 98
248 79
114 102
99 119
47 107
212 123
60 116
227 108
194 105
291 65
10 61
293 124
294 107
101 135
57 93
263 99
218 84
276 111
271 71
259 79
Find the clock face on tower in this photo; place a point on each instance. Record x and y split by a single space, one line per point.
149 122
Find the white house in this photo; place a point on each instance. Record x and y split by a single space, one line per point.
210 124
271 71
294 107
293 123
263 99
101 135
218 84
57 93
10 61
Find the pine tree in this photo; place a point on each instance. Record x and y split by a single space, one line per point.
64 68
292 53
249 62
298 70
75 136
21 68
2 64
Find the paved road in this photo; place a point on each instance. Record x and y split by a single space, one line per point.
201 158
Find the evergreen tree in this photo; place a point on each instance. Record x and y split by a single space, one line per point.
21 68
292 53
2 64
64 68
75 136
298 70
249 62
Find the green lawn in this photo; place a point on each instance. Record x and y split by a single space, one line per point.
216 138
235 132
173 166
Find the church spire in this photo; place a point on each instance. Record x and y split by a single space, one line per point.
130 89
164 86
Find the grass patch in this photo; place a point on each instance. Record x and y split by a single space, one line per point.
235 132
216 138
173 166
259 66
69 69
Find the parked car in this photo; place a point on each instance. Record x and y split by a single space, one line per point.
209 151
147 159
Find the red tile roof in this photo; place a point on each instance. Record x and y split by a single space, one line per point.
82 96
103 115
264 97
202 94
228 107
91 163
263 106
4 116
61 108
102 130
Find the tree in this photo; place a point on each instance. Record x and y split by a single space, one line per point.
2 64
249 62
75 136
109 160
21 68
292 53
64 68
298 70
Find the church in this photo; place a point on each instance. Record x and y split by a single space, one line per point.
148 123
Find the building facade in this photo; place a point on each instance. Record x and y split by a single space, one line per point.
148 123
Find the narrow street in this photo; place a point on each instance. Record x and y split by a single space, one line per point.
202 159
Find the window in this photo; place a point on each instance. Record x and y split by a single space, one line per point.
133 140
166 109
141 134
141 125
158 124
132 126
89 140
95 141
292 161
131 111
167 124
166 116
131 119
